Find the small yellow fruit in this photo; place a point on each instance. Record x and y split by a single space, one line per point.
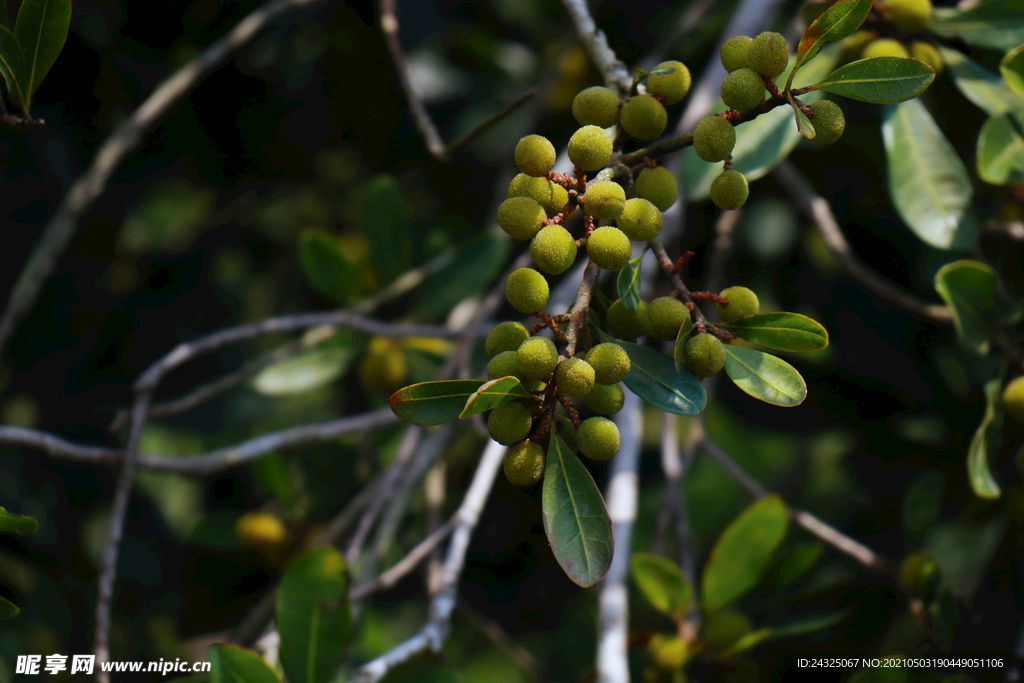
640 220
742 302
261 530
927 53
674 86
536 358
909 15
526 290
1013 400
729 190
743 89
590 148
535 155
625 323
604 200
610 362
509 423
506 336
769 54
668 653
606 399
521 217
658 186
714 138
665 316
596 106
553 249
503 365
885 47
598 438
829 122
574 376
734 53
704 355
609 248
643 117
524 463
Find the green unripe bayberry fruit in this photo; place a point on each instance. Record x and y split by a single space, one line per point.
526 290
536 358
742 302
521 217
674 86
885 47
734 53
1013 400
606 399
852 47
574 376
604 200
549 195
503 365
640 220
596 106
609 248
524 464
610 362
729 190
643 117
553 249
625 323
535 155
506 336
828 120
590 148
714 138
909 15
769 54
658 186
510 423
920 573
743 89
927 53
559 197
704 355
598 438
665 316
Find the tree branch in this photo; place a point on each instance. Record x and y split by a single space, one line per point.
616 75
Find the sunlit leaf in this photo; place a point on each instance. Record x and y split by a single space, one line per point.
986 442
981 87
17 524
654 378
13 69
233 664
969 289
764 376
628 283
433 403
305 372
882 80
995 24
780 331
834 24
662 583
492 394
1012 68
1001 151
41 28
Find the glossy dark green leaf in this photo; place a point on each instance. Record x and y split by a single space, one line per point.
628 283
834 24
803 124
796 563
8 609
16 524
986 442
233 664
326 266
986 90
1001 151
314 619
928 182
969 289
384 218
677 350
42 28
882 80
492 394
1012 68
764 376
654 378
743 552
433 403
995 24
780 331
662 583
575 517
13 69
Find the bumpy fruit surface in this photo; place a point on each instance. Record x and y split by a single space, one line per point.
665 316
536 358
590 148
598 438
658 186
526 290
521 217
506 336
704 355
674 86
909 15
920 573
524 464
927 53
640 220
769 54
553 249
596 106
610 362
743 89
549 195
625 323
606 399
574 376
503 365
735 53
885 47
559 196
829 122
714 138
742 302
261 530
1013 400
609 248
535 155
729 190
510 423
643 117
604 200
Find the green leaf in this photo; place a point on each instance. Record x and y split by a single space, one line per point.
743 552
326 266
677 350
13 69
433 403
780 331
803 124
969 289
834 24
384 220
796 563
17 524
628 283
8 609
764 376
882 80
996 24
800 627
1001 151
984 89
928 182
1012 68
42 28
987 440
492 394
654 378
662 71
472 269
662 583
233 664
575 518
746 642
313 615
306 371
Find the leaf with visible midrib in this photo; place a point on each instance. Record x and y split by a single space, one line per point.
13 69
765 377
654 378
492 394
233 664
834 24
433 403
882 80
780 331
41 28
628 283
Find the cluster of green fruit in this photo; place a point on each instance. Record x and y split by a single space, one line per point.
910 16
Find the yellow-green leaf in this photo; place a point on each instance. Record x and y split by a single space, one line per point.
780 331
433 403
764 376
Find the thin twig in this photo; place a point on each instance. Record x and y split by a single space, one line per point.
402 568
578 315
677 283
615 73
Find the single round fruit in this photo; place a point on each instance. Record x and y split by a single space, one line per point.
383 367
665 316
714 138
610 362
609 248
521 217
598 438
640 220
852 47
674 86
604 200
524 463
729 190
509 423
261 530
536 358
503 365
535 155
769 54
590 148
574 376
885 47
734 53
506 336
743 89
559 197
554 249
742 302
704 355
668 653
927 53
596 106
1013 400
549 195
920 573
625 323
606 399
829 122
725 628
643 117
526 290
909 15
658 186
